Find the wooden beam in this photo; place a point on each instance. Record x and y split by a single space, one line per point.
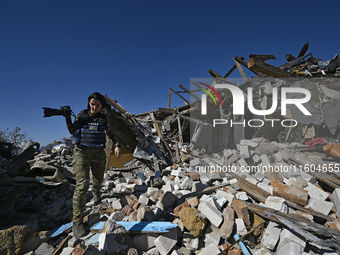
241 61
290 58
239 67
169 100
115 104
262 57
265 68
232 69
159 131
186 101
189 92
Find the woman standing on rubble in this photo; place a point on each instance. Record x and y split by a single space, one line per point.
89 131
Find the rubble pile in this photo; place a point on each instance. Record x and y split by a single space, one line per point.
189 190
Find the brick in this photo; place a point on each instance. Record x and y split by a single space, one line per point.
271 236
193 202
165 242
194 176
241 211
211 212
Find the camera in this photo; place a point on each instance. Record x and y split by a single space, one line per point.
63 111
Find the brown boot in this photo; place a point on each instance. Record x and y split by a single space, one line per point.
78 230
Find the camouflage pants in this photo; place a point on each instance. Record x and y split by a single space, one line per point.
85 159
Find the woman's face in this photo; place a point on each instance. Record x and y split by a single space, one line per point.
95 105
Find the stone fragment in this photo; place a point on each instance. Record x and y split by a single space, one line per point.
12 239
193 202
244 152
193 220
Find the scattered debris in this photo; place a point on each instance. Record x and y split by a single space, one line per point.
257 190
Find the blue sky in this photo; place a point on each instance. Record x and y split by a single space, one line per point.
56 53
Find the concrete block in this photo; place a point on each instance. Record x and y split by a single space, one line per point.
211 249
165 242
143 199
152 251
336 198
244 152
276 203
167 200
290 248
241 196
219 201
242 162
256 158
262 251
265 187
211 212
198 186
212 235
205 179
190 242
320 206
227 153
315 192
178 172
271 236
152 190
259 176
252 180
240 227
249 143
186 183
265 160
226 195
168 187
144 242
44 249
287 236
67 251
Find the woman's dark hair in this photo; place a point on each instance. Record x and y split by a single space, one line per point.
100 98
